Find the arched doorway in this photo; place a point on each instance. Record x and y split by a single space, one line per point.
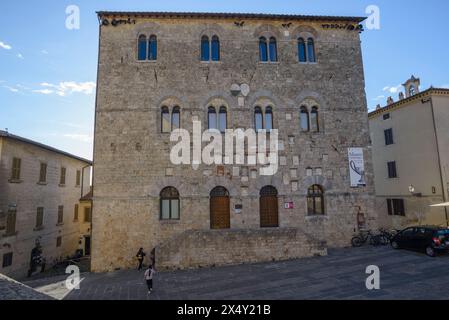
268 207
220 217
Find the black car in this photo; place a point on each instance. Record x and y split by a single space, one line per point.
429 239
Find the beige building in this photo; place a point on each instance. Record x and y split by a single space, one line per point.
40 191
410 140
301 75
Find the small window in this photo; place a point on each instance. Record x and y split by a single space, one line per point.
152 52
62 176
392 170
304 119
75 212
315 200
389 137
412 91
396 207
263 50
58 242
258 118
165 120
215 49
269 118
60 214
78 178
7 260
43 173
16 164
222 121
386 116
142 48
40 217
169 204
311 50
273 50
212 118
314 119
205 49
87 214
302 50
175 118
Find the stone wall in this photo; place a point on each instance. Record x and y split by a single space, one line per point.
132 156
195 248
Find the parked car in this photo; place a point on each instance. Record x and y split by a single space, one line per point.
431 240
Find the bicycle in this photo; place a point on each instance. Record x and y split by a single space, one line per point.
365 236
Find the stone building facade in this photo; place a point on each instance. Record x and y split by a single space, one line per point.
301 75
410 155
40 191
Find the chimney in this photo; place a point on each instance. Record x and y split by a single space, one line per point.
390 101
401 95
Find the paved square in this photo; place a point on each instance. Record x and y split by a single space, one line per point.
340 275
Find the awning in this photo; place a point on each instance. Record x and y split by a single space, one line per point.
446 204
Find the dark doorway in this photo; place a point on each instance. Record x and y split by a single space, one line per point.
87 246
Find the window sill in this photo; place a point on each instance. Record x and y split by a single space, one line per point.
146 61
60 224
15 181
169 222
10 235
62 185
42 183
269 62
76 220
308 63
78 186
211 62
317 217
38 228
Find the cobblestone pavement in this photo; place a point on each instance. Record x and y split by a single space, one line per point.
12 290
340 275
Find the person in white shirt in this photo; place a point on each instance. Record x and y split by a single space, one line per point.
149 273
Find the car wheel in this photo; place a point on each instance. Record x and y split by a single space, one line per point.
395 245
430 252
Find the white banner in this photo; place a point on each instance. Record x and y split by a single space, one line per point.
356 167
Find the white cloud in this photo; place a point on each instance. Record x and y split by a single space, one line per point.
393 90
79 137
11 89
20 56
5 46
379 98
445 86
44 51
68 87
43 91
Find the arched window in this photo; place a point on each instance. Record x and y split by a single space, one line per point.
169 204
263 50
215 48
269 118
212 118
222 120
268 207
152 52
412 91
315 200
302 50
165 120
142 48
304 119
175 118
311 50
258 119
273 50
205 50
314 119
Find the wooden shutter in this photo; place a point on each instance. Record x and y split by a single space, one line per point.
220 212
11 223
16 163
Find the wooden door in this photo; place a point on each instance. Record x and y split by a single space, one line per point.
220 217
269 217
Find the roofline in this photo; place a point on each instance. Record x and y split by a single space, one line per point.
6 134
224 15
406 100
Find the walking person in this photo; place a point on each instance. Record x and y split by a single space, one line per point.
140 256
149 273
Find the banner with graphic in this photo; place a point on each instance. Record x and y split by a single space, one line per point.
356 167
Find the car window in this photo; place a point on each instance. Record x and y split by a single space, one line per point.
443 232
408 232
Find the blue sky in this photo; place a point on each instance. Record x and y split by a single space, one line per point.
48 73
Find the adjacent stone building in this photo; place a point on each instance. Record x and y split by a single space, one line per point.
301 75
40 191
411 156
